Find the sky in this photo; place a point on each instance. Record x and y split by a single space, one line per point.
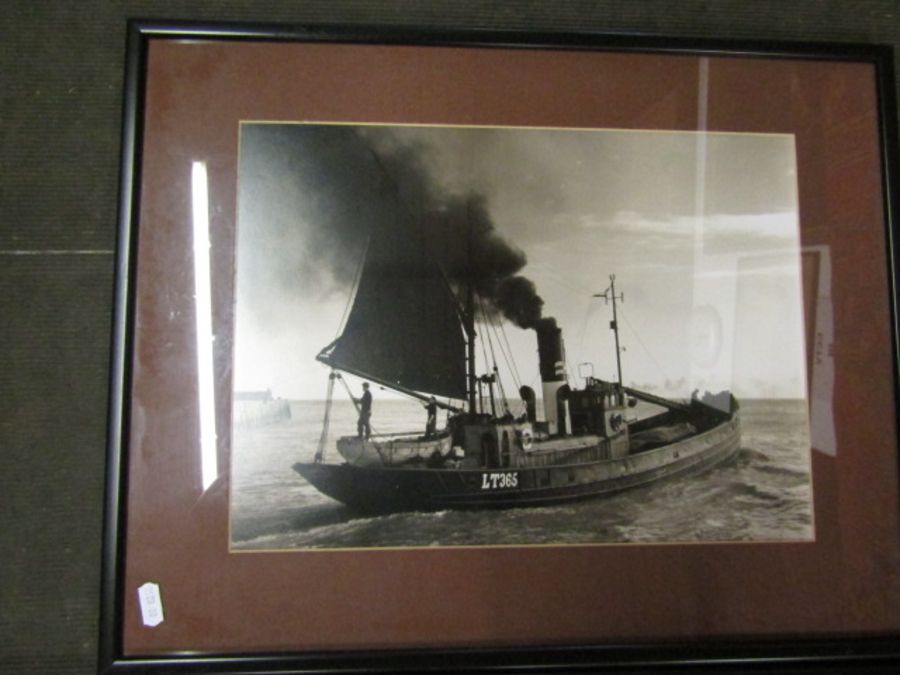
699 229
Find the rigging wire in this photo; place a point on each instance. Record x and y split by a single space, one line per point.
496 325
326 422
490 323
566 282
493 363
497 328
641 343
497 371
510 360
584 324
334 375
486 338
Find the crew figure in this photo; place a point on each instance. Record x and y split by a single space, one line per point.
363 428
431 424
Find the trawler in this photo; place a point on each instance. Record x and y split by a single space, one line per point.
589 442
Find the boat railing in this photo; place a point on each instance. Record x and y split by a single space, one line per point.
408 435
600 451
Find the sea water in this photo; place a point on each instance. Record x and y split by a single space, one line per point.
763 493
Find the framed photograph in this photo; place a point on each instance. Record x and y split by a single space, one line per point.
498 351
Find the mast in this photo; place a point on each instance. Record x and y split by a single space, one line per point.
470 348
610 294
469 318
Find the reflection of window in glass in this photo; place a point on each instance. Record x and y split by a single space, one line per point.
203 306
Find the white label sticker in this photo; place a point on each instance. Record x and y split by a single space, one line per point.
151 604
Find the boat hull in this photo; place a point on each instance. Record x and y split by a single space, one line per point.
392 489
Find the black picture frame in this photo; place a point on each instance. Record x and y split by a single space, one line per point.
793 652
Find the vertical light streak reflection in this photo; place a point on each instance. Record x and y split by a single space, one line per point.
203 302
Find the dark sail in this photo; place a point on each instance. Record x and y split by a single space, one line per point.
404 326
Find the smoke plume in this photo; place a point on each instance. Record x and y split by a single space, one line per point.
334 187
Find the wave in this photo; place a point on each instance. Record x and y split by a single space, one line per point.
760 462
785 471
753 491
749 455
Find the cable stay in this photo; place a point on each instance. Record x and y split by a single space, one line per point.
641 343
486 343
326 422
496 371
584 324
547 270
510 361
500 337
497 328
493 362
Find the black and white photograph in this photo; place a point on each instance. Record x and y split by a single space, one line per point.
497 336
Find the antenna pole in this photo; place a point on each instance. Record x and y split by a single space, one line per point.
610 294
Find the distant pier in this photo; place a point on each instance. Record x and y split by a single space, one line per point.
253 408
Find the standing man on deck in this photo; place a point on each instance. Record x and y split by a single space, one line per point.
431 423
363 427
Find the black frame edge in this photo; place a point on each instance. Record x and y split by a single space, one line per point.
109 648
858 655
394 34
890 165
